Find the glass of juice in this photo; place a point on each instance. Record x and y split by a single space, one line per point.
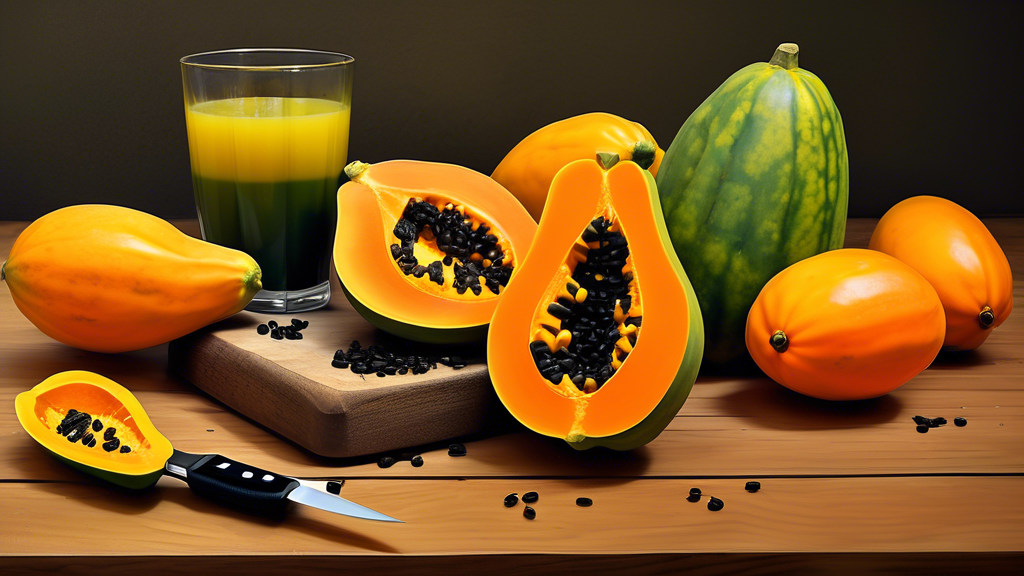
268 140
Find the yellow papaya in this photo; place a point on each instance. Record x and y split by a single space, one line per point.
112 279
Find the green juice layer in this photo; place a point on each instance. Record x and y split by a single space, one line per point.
287 227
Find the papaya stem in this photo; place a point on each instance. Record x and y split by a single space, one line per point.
779 341
355 169
986 317
607 159
643 153
786 56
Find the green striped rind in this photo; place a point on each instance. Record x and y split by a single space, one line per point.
655 422
459 335
756 180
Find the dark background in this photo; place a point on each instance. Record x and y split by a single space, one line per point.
92 104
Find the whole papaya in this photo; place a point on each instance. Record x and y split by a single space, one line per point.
112 279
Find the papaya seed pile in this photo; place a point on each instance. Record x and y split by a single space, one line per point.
596 322
81 426
475 253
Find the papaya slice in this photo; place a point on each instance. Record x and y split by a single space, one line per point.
424 250
598 337
96 425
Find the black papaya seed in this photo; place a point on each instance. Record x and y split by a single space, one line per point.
386 462
584 502
530 497
72 412
86 438
752 486
456 450
272 324
74 435
715 504
529 513
694 495
511 500
263 329
961 422
276 334
111 445
125 449
923 428
92 443
417 461
109 433
334 487
97 425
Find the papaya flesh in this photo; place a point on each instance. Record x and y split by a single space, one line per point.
112 279
137 460
424 250
598 337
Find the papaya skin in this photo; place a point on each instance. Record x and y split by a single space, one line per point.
529 168
111 279
957 254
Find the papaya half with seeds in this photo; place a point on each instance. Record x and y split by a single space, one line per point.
598 337
112 279
527 170
89 404
424 250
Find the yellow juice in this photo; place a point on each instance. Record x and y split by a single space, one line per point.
265 172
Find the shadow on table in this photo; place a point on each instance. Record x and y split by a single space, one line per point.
961 360
117 500
777 407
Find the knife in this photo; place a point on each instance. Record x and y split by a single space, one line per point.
252 489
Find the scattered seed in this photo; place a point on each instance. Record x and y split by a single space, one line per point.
109 433
530 497
529 513
334 487
584 502
961 422
111 445
456 450
922 428
511 500
715 504
92 443
386 462
272 324
87 438
417 461
377 360
263 329
97 425
694 495
125 449
752 486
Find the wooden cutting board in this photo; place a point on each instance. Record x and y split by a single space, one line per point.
290 387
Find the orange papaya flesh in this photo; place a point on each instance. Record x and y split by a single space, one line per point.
423 250
565 351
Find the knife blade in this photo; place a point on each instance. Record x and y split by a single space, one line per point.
331 503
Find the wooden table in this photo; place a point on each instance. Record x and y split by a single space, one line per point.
851 488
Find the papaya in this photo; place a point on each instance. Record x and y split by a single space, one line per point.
96 425
756 179
424 250
527 170
112 279
957 254
598 337
848 324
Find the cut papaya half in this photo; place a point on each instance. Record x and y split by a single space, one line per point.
598 337
424 250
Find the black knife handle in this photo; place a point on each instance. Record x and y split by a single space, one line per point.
240 486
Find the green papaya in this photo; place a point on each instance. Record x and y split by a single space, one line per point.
756 179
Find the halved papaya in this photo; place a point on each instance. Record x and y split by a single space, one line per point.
423 250
598 337
95 425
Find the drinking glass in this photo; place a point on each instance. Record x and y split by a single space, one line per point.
268 141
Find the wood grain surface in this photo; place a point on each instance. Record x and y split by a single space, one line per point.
847 487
